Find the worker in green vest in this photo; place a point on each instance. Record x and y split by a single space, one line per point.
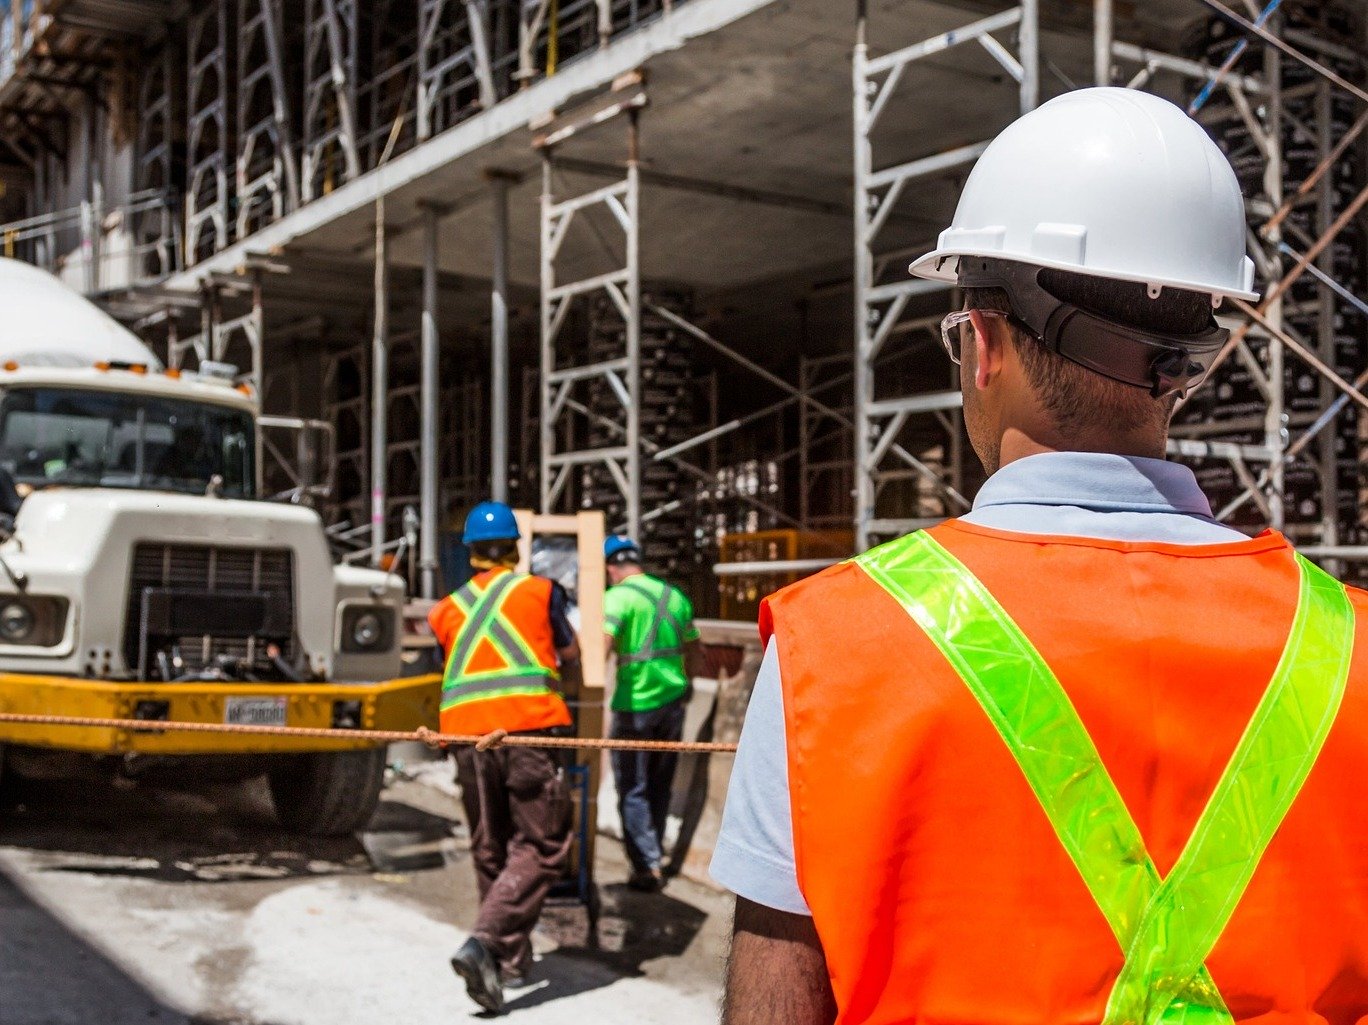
650 629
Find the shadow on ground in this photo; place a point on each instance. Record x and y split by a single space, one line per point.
50 976
208 833
633 928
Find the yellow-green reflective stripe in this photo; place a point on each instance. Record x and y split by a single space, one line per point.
1034 716
1264 775
457 697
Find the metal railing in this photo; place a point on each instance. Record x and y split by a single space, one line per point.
127 244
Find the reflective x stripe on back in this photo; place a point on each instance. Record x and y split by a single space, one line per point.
485 621
660 616
1167 927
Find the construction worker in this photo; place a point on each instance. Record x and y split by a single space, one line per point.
651 631
1083 754
506 637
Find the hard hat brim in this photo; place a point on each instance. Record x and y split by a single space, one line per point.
943 265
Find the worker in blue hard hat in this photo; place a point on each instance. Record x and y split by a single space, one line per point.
650 628
506 637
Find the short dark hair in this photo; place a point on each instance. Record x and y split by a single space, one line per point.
1075 396
493 551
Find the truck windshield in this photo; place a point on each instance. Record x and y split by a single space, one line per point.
79 438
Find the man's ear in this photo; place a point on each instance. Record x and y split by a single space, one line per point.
989 353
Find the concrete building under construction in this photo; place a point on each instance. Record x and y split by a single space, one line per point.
650 256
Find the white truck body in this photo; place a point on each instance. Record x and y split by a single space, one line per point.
140 575
78 541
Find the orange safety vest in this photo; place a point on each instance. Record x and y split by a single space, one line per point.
501 655
938 885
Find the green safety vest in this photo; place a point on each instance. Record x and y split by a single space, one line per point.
1168 926
656 643
650 651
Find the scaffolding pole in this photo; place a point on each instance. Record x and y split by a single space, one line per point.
380 390
430 415
498 350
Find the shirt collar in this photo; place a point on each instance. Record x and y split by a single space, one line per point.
1096 480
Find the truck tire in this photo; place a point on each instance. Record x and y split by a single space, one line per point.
328 793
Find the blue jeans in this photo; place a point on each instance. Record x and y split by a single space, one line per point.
643 780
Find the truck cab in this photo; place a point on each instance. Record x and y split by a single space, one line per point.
145 552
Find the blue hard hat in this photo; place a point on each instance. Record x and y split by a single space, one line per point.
618 543
490 521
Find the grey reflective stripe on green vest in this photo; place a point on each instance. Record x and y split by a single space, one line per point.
521 674
1166 928
660 616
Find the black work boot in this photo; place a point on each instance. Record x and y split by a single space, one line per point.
474 964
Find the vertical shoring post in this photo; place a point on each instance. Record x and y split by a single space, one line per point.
1030 55
1104 30
430 415
864 279
380 388
1274 427
498 349
257 338
634 323
548 356
1325 215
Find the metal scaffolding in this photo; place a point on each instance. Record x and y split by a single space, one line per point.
1288 428
208 146
267 176
330 152
564 446
880 305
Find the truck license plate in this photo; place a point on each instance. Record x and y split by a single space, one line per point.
255 711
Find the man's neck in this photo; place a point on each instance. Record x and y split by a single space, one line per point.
1018 444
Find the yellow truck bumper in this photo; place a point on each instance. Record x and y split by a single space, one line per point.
403 704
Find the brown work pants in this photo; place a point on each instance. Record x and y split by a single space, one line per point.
518 809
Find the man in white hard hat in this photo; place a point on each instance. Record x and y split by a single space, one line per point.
1084 754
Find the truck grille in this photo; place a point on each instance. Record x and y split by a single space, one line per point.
223 573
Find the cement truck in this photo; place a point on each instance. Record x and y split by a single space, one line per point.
142 577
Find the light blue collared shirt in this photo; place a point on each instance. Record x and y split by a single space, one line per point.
1072 494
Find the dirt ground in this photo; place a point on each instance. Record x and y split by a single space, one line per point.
123 904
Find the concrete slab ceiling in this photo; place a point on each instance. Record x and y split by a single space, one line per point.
749 95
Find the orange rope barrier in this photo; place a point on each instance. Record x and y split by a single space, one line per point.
424 735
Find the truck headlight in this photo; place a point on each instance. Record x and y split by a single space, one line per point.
367 628
16 623
32 622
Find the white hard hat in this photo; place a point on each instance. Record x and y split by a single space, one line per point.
1112 183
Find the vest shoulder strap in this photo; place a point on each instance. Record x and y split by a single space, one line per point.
485 620
660 615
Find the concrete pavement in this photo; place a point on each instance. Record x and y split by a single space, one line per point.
139 904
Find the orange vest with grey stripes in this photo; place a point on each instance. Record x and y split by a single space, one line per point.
501 655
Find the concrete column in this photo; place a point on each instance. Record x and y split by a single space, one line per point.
429 467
